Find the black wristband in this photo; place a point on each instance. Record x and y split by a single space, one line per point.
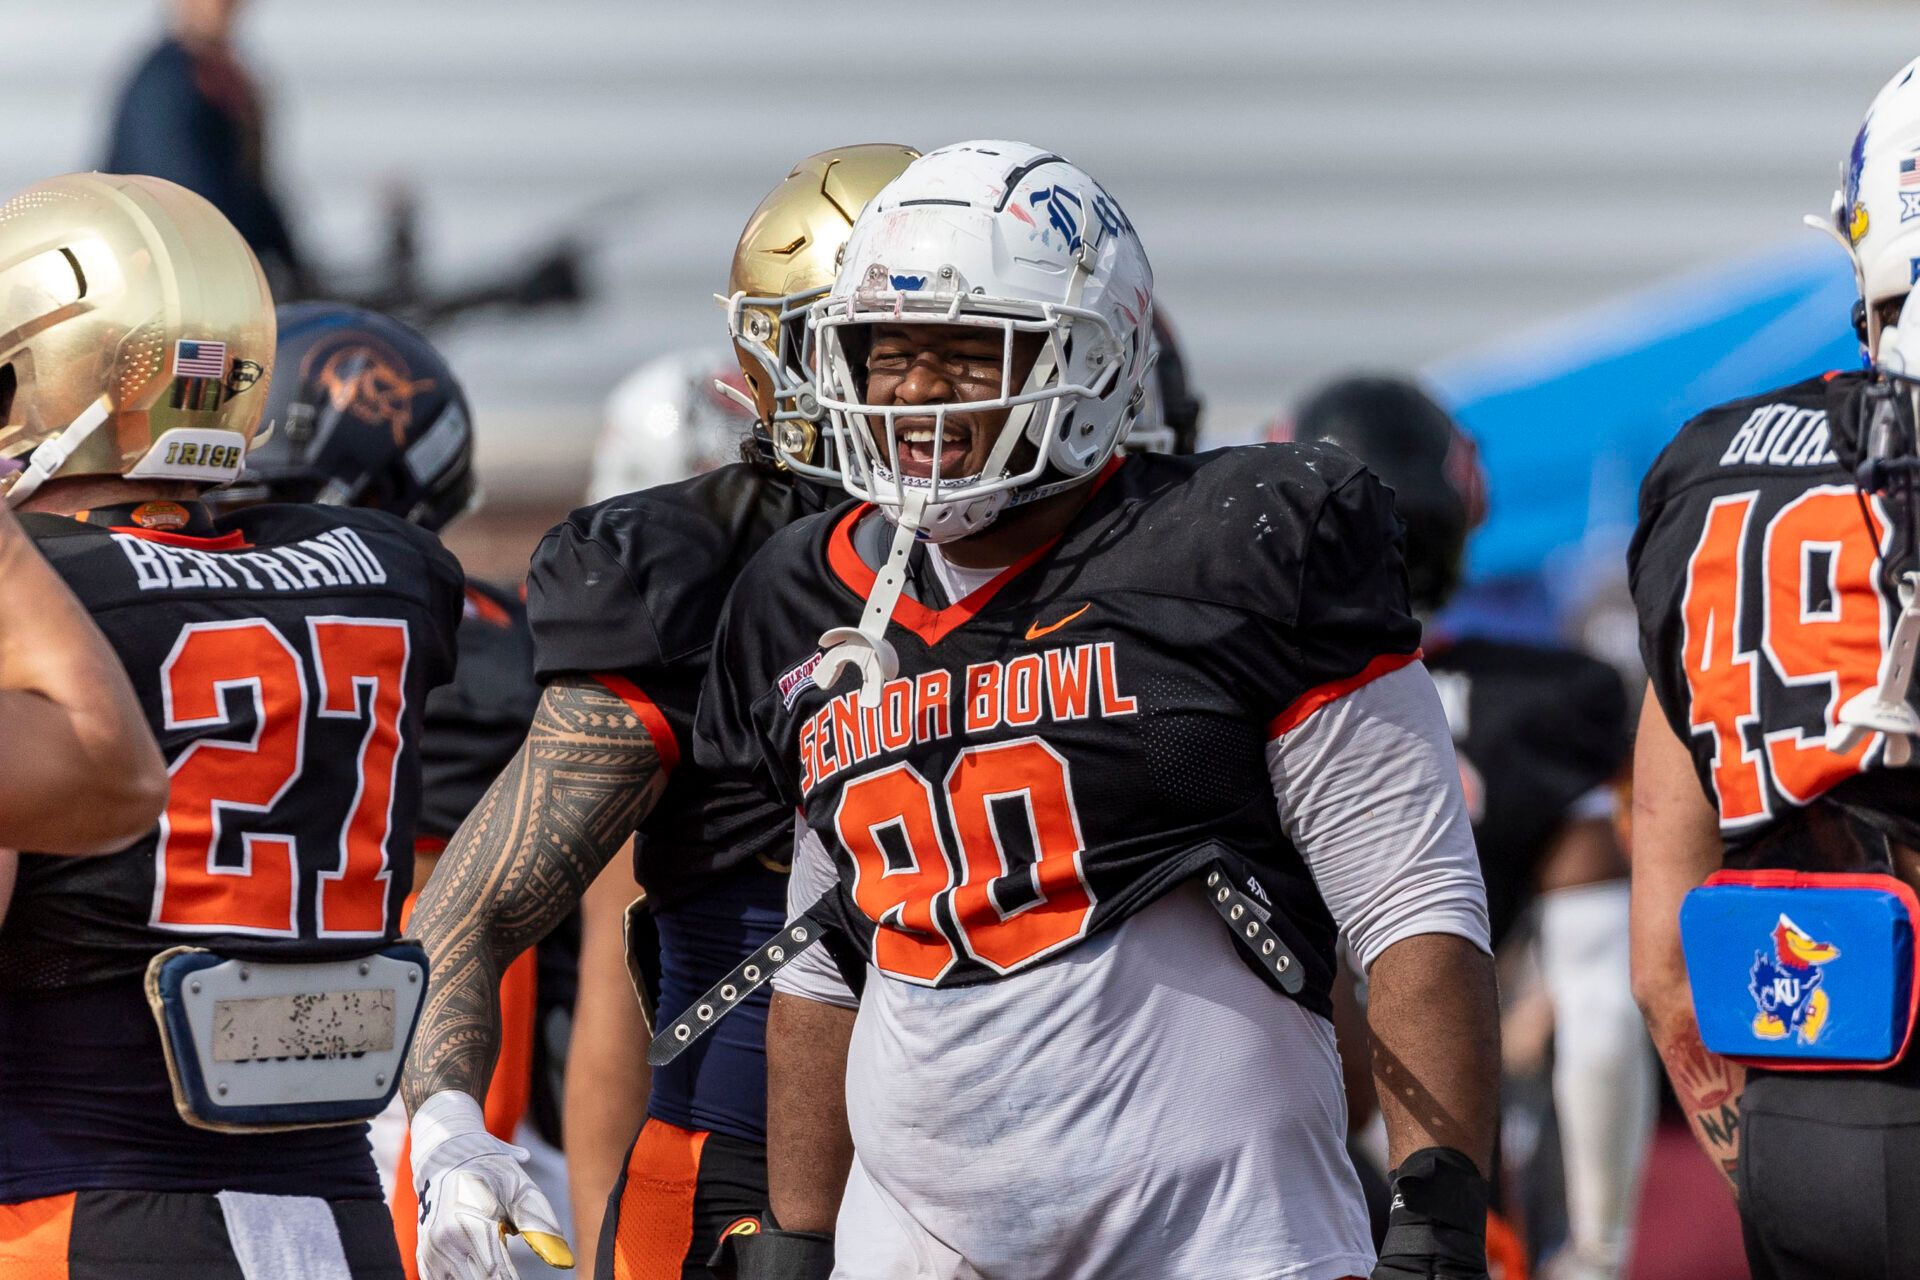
773 1255
1437 1222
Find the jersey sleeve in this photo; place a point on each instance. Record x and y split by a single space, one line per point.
588 615
732 728
449 587
1369 792
1340 592
813 975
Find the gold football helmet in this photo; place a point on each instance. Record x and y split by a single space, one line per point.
136 335
786 258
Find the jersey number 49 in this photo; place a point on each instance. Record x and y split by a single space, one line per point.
1822 623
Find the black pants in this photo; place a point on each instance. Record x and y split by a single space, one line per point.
164 1235
1830 1174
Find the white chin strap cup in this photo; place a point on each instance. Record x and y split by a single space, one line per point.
53 454
1883 708
866 646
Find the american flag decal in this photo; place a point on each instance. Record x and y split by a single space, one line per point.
193 359
1909 172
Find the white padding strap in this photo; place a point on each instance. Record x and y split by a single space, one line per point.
274 1237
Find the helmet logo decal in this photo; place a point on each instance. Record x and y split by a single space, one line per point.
372 385
246 373
1110 216
193 359
199 375
1063 213
907 284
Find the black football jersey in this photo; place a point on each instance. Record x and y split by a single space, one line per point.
1756 575
283 656
1083 732
630 590
1535 729
476 722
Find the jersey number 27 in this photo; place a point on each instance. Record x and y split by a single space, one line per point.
360 665
1821 625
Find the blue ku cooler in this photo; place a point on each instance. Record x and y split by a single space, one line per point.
1803 971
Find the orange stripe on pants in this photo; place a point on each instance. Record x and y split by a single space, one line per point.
656 1202
33 1238
507 1094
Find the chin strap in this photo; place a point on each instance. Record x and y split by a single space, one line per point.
1884 708
53 454
866 646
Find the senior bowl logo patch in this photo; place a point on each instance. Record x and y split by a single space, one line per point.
1786 984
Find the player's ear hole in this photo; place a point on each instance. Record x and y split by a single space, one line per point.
9 383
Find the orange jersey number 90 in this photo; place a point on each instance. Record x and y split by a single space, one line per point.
1825 632
1006 915
361 666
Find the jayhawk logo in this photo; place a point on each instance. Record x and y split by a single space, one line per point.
1786 985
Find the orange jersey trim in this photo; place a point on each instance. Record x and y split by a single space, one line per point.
650 715
933 625
231 540
1303 707
487 609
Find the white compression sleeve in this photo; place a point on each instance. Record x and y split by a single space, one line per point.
1603 1071
1369 792
813 975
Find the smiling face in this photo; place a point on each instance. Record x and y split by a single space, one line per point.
936 364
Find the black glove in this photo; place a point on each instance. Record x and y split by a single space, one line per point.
773 1255
1437 1225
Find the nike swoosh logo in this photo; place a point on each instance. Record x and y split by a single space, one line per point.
1035 630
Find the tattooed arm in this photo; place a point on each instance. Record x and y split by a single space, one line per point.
1676 845
585 777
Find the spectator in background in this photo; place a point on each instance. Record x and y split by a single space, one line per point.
191 113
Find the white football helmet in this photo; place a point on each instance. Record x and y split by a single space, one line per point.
1876 211
666 421
1007 237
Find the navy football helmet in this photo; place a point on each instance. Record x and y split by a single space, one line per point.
365 413
1416 448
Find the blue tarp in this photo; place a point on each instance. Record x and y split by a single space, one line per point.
1570 416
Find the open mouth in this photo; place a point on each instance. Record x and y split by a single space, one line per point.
918 448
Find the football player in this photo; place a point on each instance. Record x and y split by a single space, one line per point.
94 779
1540 734
1115 750
194 1030
1766 584
368 414
624 598
671 414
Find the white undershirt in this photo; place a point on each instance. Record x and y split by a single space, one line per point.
1145 1107
958 580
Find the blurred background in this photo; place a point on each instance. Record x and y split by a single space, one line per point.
1580 221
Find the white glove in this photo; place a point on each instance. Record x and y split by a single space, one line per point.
473 1193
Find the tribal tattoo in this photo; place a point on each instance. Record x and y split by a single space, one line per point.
583 780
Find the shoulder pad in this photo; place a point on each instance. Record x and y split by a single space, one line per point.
637 582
